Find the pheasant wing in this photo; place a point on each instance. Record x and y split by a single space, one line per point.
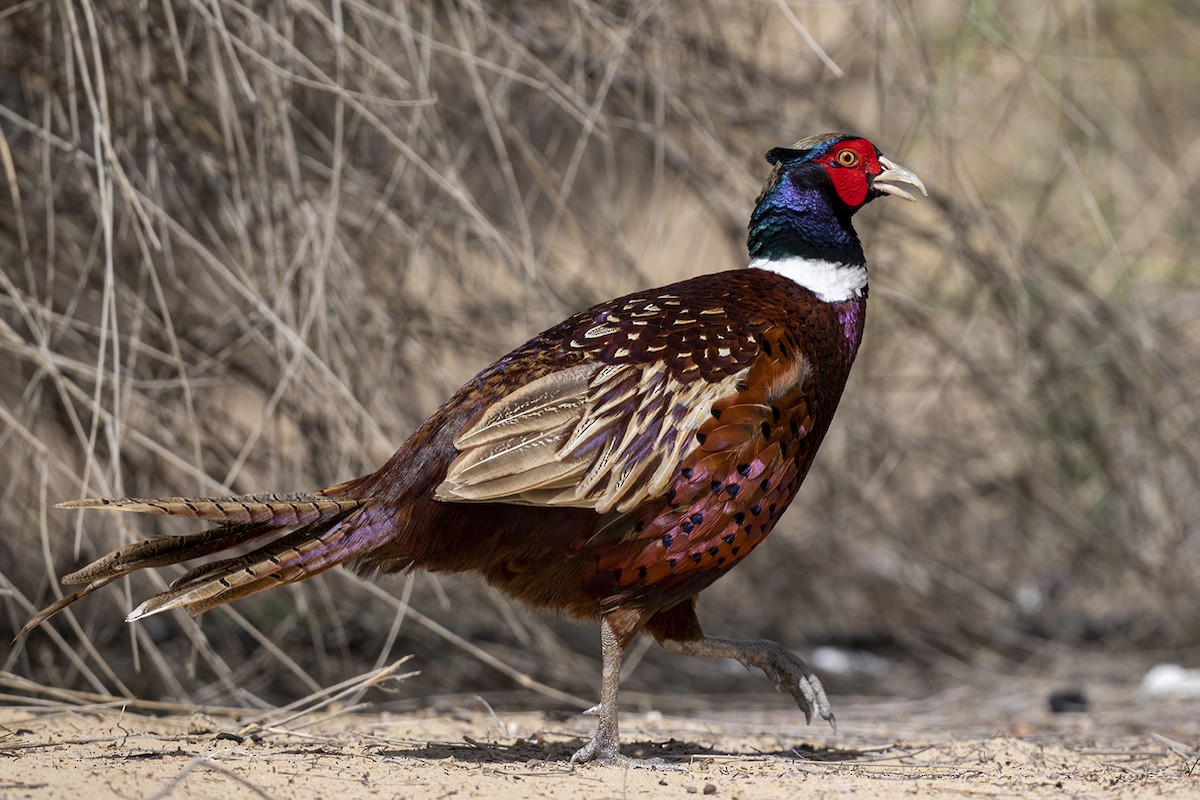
609 431
597 436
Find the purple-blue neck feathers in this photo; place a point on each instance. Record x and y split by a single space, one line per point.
797 215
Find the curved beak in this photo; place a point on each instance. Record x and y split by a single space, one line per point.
894 172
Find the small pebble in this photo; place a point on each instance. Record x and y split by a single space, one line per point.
710 788
1066 701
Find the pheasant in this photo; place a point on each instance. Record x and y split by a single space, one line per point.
610 468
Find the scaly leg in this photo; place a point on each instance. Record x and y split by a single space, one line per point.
785 669
606 744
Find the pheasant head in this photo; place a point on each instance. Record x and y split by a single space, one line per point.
803 214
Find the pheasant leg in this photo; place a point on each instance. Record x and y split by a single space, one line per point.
785 669
606 744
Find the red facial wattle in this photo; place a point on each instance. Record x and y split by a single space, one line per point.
849 164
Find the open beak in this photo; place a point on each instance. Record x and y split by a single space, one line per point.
894 172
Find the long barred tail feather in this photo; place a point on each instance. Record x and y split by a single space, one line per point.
61 603
298 555
313 532
160 551
277 509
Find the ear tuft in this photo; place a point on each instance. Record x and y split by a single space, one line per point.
785 155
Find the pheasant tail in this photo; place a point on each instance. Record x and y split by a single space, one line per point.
311 533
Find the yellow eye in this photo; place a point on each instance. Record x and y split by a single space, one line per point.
847 158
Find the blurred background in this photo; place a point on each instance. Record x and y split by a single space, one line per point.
250 245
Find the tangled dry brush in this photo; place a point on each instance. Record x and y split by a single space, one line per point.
251 244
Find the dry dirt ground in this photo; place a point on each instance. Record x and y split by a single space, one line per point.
985 742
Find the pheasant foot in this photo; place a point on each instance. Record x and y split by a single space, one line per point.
785 669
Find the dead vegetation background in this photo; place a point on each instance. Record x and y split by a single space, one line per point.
250 245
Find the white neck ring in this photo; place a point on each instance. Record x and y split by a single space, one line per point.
828 280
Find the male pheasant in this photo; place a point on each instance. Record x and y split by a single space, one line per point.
611 467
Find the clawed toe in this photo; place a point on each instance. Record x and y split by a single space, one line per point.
597 754
810 696
597 751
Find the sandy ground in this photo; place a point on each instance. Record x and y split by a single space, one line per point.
967 743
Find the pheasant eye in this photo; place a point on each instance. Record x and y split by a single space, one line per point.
847 158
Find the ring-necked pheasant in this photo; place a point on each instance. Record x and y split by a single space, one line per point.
610 468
